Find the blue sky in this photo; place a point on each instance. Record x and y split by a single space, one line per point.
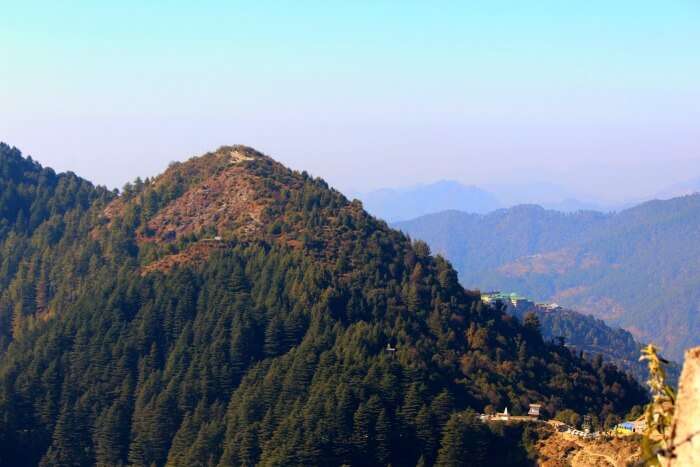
601 96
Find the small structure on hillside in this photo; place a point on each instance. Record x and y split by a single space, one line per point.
640 426
508 299
624 428
490 297
390 350
534 411
550 306
517 301
627 428
587 424
504 416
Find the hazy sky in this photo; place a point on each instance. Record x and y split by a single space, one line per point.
601 96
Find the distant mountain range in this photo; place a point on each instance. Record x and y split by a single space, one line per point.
394 205
401 204
547 194
688 187
639 268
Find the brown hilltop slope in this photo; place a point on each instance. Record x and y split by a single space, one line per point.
226 193
236 193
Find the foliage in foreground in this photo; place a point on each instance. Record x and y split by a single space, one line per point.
657 442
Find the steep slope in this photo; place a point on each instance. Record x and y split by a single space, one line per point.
585 333
237 312
637 268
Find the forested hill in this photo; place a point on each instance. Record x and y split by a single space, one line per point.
592 336
41 213
233 312
637 269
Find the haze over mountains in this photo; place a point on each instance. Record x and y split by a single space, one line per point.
402 204
638 268
687 187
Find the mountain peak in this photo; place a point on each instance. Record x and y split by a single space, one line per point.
228 193
233 194
197 168
239 153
